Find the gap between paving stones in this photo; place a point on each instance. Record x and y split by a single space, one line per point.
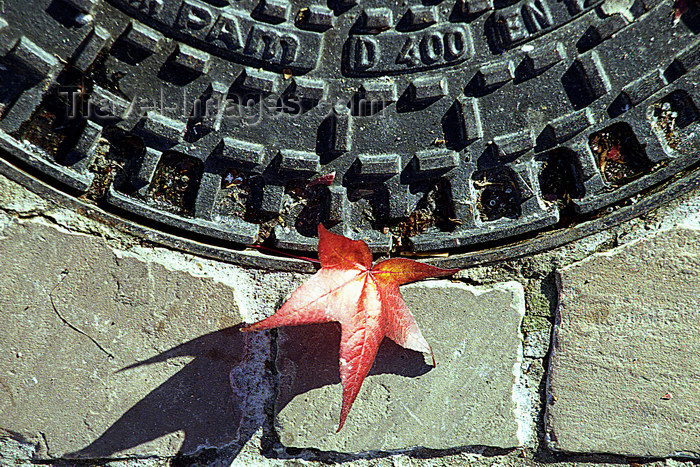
533 271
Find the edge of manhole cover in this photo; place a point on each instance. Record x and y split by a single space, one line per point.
682 184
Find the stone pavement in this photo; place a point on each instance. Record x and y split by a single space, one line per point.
119 353
107 354
625 369
469 398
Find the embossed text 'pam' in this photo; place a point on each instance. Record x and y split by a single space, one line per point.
230 33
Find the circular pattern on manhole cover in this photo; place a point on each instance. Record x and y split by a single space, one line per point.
419 126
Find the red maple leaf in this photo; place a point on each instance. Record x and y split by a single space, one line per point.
326 180
365 300
680 7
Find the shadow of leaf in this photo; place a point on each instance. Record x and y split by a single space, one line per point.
308 359
197 401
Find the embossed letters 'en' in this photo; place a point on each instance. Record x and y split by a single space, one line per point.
519 23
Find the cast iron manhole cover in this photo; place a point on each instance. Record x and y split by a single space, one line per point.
448 125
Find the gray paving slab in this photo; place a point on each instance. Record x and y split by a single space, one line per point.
107 355
626 361
468 399
14 197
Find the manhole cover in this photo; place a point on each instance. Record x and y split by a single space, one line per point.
419 126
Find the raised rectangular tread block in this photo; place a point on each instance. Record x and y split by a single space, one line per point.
299 161
83 6
379 164
83 152
249 155
341 132
590 171
379 90
545 56
376 242
473 7
209 188
143 37
308 88
375 20
272 199
528 195
192 59
611 25
496 73
107 106
91 48
569 125
339 204
437 159
515 143
689 57
595 74
315 18
290 239
470 118
214 106
260 81
141 178
272 11
31 57
163 131
640 89
429 88
401 201
421 16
